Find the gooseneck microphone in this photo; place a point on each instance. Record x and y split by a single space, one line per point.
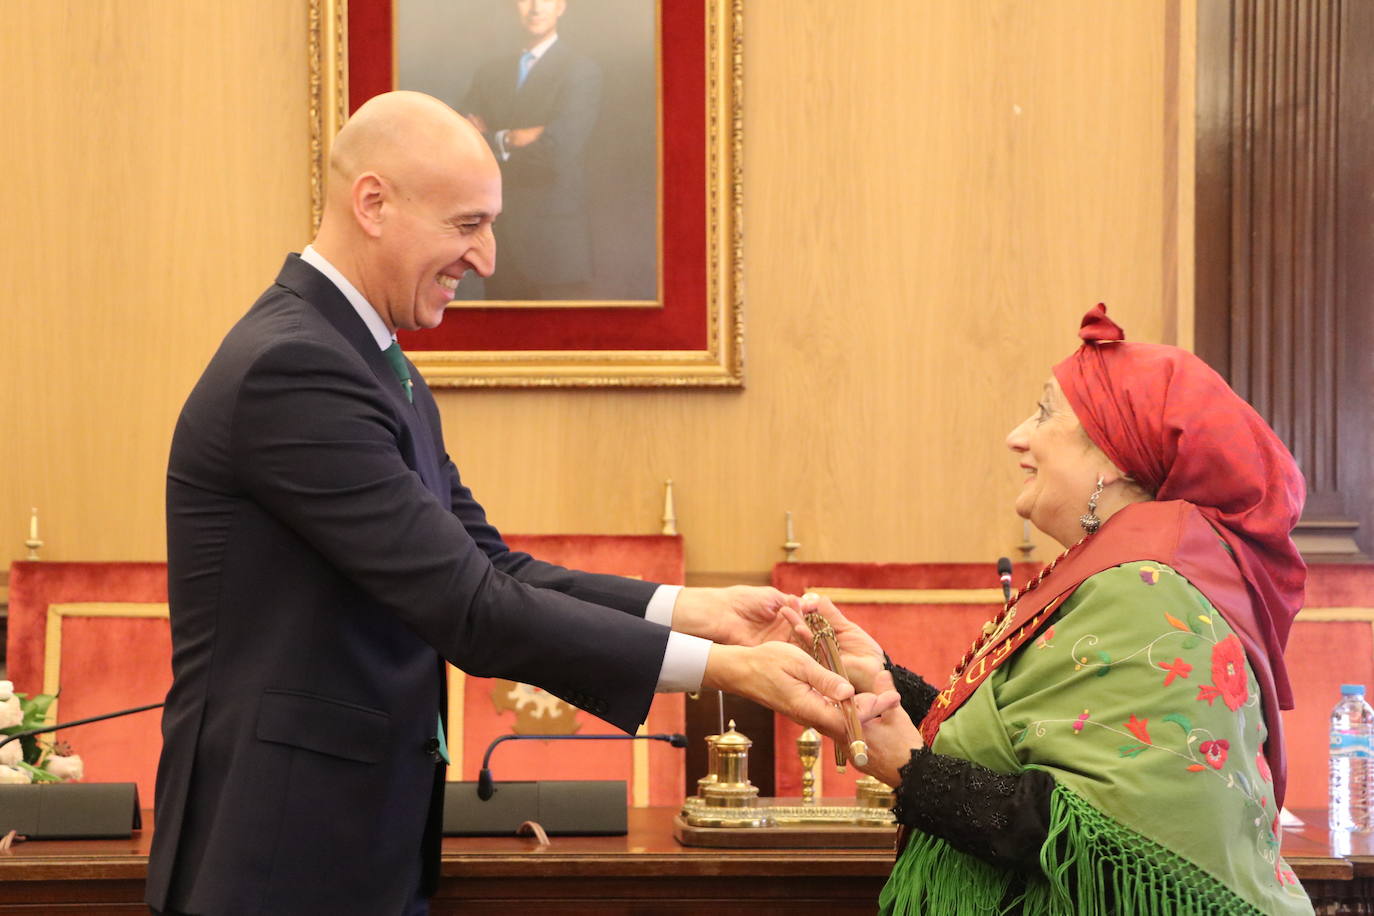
486 786
28 733
1004 576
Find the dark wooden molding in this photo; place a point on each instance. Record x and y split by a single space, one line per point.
1282 231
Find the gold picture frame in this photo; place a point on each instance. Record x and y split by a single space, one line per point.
718 321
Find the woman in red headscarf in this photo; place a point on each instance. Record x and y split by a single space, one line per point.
1110 741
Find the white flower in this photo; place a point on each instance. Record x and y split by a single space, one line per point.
6 689
11 713
65 768
13 775
11 753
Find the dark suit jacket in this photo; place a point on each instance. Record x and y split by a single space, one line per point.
324 558
542 236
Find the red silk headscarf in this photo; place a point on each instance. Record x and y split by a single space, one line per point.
1167 419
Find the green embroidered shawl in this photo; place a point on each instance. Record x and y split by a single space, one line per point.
1138 700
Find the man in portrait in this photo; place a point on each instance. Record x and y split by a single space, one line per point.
537 109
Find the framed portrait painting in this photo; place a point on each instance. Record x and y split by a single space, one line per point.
617 128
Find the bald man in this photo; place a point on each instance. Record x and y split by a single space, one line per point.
324 559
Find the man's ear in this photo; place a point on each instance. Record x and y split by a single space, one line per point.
369 199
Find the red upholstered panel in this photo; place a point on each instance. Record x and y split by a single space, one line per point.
654 558
107 663
796 578
111 663
1340 585
1322 655
1332 643
35 585
926 638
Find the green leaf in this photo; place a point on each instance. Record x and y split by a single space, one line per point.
1180 720
35 709
1190 642
1106 664
41 703
37 774
33 751
1132 750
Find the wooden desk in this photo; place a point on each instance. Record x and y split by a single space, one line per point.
643 872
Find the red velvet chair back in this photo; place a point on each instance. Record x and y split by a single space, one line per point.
99 633
924 615
480 709
96 634
1332 643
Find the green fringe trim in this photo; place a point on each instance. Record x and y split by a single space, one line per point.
1092 866
934 877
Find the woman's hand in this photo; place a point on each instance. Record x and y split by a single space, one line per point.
862 656
891 737
890 734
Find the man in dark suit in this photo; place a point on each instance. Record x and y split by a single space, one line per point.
537 110
324 559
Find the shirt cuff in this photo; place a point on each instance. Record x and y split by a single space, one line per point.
660 607
500 138
684 663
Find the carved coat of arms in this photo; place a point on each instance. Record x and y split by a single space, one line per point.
537 712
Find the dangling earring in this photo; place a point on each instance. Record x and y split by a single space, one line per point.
1091 522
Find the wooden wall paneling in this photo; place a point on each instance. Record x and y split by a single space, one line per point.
1354 243
1273 263
932 200
157 162
934 193
1212 186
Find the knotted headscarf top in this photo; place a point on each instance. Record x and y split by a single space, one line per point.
1164 417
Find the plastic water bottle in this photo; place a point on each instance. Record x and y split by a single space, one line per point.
1352 762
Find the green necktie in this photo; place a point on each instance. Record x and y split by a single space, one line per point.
397 359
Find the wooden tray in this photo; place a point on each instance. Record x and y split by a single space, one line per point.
837 836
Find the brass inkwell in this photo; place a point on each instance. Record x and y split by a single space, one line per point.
727 809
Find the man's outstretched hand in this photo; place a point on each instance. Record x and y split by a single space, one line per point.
788 681
740 615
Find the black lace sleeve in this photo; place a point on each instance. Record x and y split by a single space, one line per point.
1001 818
917 695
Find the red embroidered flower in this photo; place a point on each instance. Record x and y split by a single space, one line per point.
1262 764
1179 668
1138 728
1228 672
1215 752
1079 722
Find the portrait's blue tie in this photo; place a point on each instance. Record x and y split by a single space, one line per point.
526 62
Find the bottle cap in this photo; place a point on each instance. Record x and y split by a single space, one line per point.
1351 690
